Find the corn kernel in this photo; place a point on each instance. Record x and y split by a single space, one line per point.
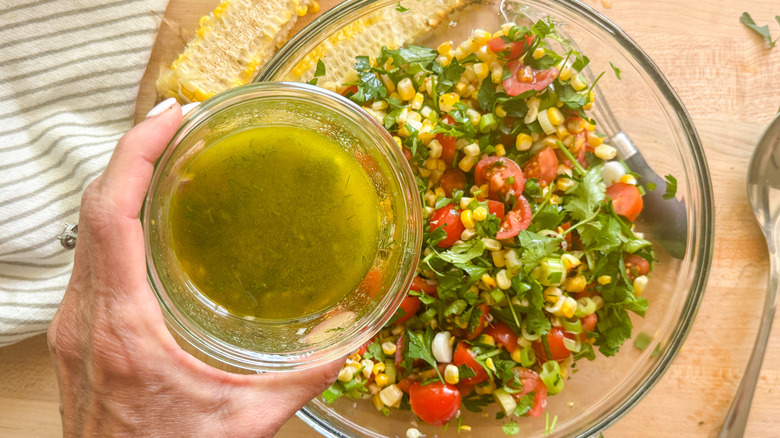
474 116
502 280
406 89
523 142
491 244
604 279
564 184
496 72
467 162
568 307
590 127
468 234
301 10
498 258
377 402
640 283
481 70
563 134
552 294
533 110
464 428
444 48
368 366
480 214
481 37
314 8
472 150
555 116
467 218
575 126
500 151
628 179
388 347
381 380
417 101
577 83
575 284
605 152
488 281
500 111
594 140
516 355
489 363
378 368
451 374
345 374
538 53
565 72
570 262
447 100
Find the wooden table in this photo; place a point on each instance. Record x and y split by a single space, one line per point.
730 83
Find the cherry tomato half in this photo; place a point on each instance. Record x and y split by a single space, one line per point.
558 350
451 180
448 218
435 403
636 266
525 78
420 284
496 171
410 305
498 46
496 208
542 166
626 200
589 322
530 381
517 220
464 356
503 335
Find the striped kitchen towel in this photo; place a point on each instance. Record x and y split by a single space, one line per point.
69 77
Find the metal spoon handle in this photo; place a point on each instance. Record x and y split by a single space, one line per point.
736 420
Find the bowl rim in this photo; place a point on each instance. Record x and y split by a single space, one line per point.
401 174
701 254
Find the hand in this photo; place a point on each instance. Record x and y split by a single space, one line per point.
120 371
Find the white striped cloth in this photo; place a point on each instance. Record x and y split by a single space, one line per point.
69 77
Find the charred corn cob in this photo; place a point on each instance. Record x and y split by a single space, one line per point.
237 38
386 27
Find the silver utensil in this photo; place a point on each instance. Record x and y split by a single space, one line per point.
763 184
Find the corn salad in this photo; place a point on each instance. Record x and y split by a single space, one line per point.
530 261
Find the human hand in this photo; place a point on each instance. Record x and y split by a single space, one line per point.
120 371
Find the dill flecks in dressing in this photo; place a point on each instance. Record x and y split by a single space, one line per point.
275 222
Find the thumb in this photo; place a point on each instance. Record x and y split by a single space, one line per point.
130 169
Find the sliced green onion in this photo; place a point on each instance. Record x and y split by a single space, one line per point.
487 123
551 271
585 306
552 377
572 326
530 336
456 308
497 295
427 315
573 345
505 401
527 356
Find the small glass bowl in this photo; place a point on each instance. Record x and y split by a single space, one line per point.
316 339
639 108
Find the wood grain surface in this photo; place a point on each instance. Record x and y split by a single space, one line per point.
730 83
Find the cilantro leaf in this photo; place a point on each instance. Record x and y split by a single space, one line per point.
421 348
486 96
586 197
571 98
413 55
374 351
318 73
449 76
616 70
604 234
581 62
525 404
464 252
763 31
614 327
488 227
671 187
400 8
474 402
511 428
536 247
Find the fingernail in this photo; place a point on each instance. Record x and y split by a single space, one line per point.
161 107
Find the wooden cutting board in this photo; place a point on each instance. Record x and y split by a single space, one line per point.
730 84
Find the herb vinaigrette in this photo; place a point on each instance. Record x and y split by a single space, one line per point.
275 222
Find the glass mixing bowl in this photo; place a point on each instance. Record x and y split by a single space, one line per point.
640 109
296 343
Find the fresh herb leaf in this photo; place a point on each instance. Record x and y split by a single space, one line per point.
671 187
421 348
581 62
536 247
586 198
525 404
642 341
475 402
763 31
318 73
616 70
374 351
511 428
400 8
464 252
614 327
486 96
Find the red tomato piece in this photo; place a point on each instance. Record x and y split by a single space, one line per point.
542 166
448 218
626 200
420 284
435 403
407 153
364 348
496 171
517 220
352 89
483 322
496 208
410 305
448 150
464 356
589 322
530 381
399 352
498 46
503 335
524 78
558 350
451 180
636 266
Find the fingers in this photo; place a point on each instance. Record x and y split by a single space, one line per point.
130 169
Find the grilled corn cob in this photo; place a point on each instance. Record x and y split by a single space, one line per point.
386 27
237 38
